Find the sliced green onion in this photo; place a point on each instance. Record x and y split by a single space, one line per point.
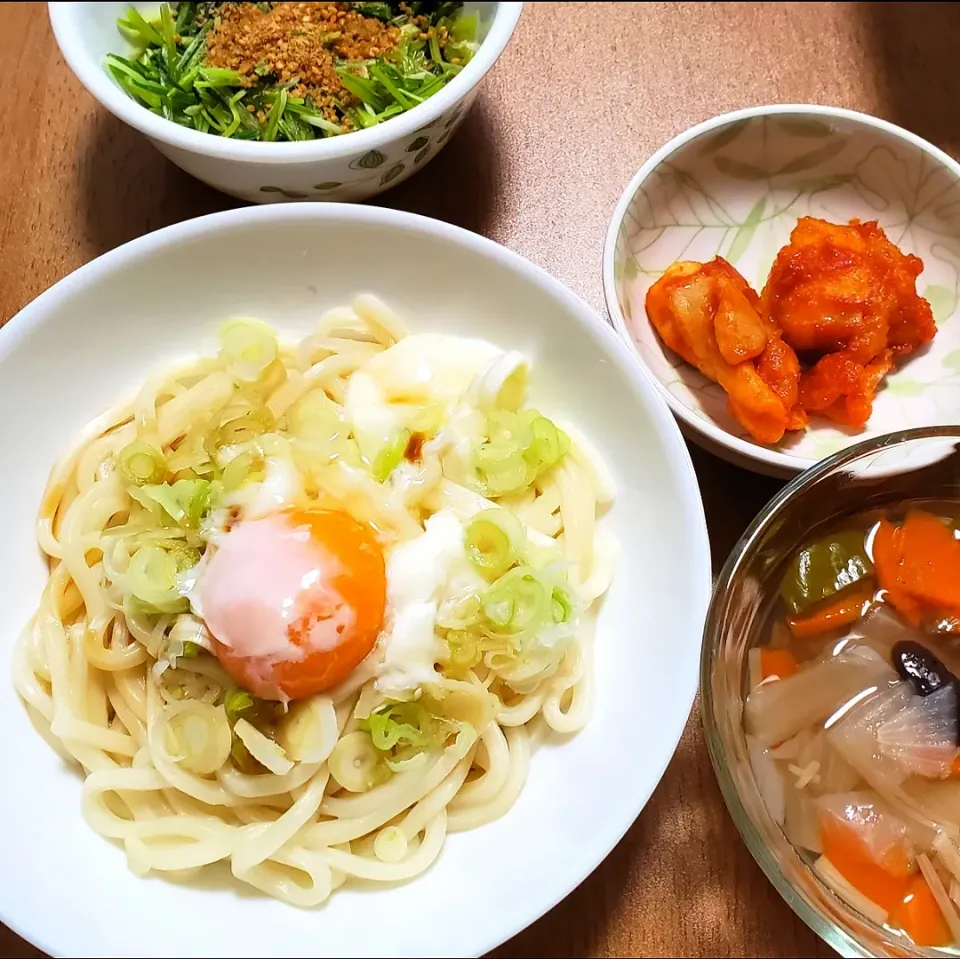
194 498
388 459
356 764
494 539
503 475
464 649
518 448
509 429
191 650
247 347
245 467
195 734
139 464
242 426
388 728
499 606
190 456
518 601
560 605
153 576
545 446
405 759
184 502
236 702
186 557
390 844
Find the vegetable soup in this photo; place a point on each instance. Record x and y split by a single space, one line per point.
851 714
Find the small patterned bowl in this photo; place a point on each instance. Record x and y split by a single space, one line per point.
351 167
735 186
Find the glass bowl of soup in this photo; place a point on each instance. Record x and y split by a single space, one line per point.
830 694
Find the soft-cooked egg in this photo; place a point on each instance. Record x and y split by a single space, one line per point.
295 600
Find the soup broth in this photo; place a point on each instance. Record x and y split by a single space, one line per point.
851 714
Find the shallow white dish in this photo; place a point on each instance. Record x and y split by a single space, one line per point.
354 166
735 186
98 333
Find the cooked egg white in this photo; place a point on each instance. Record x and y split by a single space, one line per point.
419 572
427 368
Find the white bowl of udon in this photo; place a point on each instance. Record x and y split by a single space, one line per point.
354 588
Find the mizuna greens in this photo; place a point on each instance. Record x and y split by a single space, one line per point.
290 71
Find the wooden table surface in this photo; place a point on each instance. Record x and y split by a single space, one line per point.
581 97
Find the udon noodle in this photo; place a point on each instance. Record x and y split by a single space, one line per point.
116 680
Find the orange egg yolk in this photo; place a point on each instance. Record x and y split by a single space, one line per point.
295 601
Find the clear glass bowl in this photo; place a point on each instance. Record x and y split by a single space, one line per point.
910 465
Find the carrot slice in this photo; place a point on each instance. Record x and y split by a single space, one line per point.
930 568
777 662
841 612
888 561
884 883
919 916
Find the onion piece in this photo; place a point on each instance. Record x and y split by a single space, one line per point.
801 823
262 748
776 711
769 779
855 737
922 737
938 800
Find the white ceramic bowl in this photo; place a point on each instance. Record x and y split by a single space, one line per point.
735 186
98 333
351 167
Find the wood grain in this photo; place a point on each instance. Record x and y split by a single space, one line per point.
581 97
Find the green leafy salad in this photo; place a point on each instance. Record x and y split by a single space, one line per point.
290 71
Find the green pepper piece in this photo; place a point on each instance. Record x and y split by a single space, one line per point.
825 567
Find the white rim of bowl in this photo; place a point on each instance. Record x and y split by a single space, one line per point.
608 831
98 84
745 449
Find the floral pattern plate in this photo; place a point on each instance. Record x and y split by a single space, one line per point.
735 187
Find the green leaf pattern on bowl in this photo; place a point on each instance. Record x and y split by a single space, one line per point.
391 174
737 192
380 167
369 161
